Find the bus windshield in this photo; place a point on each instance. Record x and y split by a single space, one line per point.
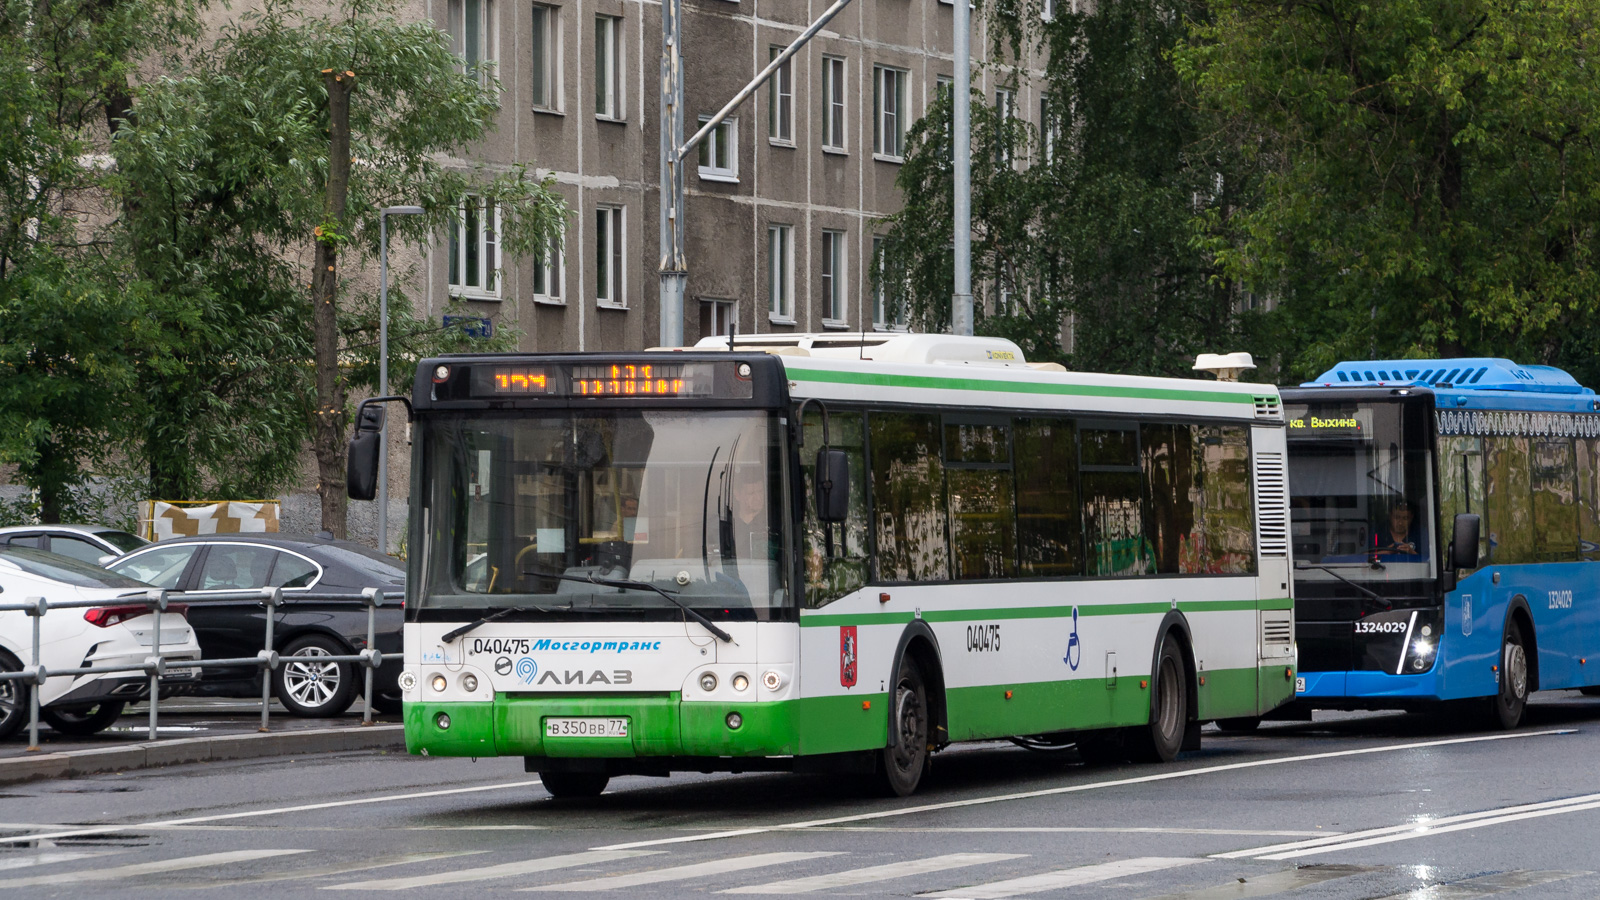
1361 492
690 502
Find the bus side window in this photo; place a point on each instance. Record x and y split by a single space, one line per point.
908 497
1509 499
1225 532
1588 497
982 521
1555 508
1168 458
1049 528
836 553
1461 486
1113 502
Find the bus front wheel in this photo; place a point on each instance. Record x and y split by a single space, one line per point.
1160 740
907 759
574 785
1506 706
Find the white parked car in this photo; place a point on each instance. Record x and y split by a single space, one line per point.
119 633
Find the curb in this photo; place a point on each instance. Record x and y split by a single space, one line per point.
73 763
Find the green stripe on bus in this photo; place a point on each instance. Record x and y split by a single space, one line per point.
935 382
1042 612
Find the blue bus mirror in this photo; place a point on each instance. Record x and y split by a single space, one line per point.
361 464
1464 542
833 485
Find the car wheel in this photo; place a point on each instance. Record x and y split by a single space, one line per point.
907 760
574 785
310 688
387 704
82 720
13 698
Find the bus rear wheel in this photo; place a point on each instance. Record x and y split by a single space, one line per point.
574 785
905 761
1506 706
1160 740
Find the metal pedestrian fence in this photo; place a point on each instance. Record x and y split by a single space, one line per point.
156 666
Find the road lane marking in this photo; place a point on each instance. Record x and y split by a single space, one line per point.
1272 883
271 811
150 868
45 859
504 870
381 862
872 874
1486 885
1077 829
1092 786
1063 878
1415 829
682 873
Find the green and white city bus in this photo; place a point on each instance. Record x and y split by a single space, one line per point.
627 563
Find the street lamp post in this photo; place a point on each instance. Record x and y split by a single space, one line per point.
383 362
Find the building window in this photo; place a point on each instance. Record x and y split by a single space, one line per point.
717 316
547 286
889 111
884 317
608 67
1005 109
780 100
833 278
545 83
475 250
780 273
1048 13
833 103
474 35
610 241
719 151
1049 128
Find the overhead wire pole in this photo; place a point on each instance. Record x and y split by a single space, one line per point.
961 135
674 265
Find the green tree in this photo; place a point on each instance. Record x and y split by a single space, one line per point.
1093 215
1429 173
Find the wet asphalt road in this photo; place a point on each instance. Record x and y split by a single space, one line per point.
1352 806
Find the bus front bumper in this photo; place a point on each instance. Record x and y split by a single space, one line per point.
1367 690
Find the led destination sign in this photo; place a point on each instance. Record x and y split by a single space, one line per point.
603 381
1330 421
519 380
648 379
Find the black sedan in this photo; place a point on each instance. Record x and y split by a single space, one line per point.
307 625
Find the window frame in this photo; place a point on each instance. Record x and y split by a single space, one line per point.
835 104
488 243
610 102
548 56
832 277
887 82
553 271
723 137
780 101
611 260
780 281
487 31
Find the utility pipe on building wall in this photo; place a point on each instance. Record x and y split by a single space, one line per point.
961 134
674 265
383 368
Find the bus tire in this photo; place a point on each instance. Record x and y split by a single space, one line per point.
1508 703
1241 725
574 785
1160 740
907 758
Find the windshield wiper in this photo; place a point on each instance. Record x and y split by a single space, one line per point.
647 586
452 635
1301 564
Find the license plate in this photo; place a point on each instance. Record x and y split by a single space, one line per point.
1299 685
585 727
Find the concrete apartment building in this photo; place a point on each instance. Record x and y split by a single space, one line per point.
782 205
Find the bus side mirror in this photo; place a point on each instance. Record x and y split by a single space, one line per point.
833 485
1464 542
361 465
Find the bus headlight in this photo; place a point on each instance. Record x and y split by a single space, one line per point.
740 682
708 682
771 680
439 682
469 682
1422 648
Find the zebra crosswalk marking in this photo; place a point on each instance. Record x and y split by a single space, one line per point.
1063 878
150 868
682 873
381 862
875 873
1486 885
504 870
1269 884
47 858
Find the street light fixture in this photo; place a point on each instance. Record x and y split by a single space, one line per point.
383 362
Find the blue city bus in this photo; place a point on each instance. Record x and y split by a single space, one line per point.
1445 520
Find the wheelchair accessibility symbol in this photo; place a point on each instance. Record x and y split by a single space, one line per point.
1074 647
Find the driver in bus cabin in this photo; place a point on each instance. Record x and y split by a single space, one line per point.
1400 538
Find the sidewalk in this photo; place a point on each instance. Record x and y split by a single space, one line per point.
192 730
